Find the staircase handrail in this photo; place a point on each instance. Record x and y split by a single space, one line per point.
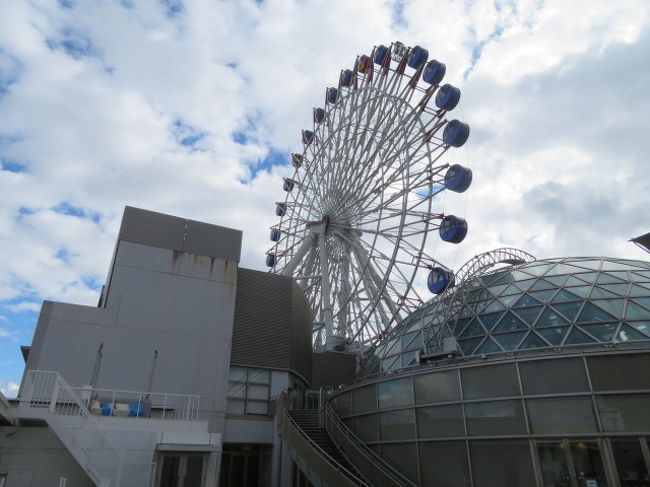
336 427
284 413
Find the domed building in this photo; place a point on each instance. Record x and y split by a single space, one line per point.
533 374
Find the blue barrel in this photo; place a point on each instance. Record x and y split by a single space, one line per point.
280 209
136 409
447 97
296 160
380 54
107 408
440 279
275 234
307 137
455 133
434 71
418 57
332 95
458 178
319 115
453 229
346 78
288 184
270 260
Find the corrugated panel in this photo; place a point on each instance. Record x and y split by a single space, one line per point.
151 228
330 369
265 333
212 240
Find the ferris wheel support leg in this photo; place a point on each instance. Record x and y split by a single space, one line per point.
325 293
302 250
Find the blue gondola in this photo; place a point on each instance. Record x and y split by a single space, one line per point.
346 78
456 133
280 209
434 71
288 184
270 260
307 137
275 234
380 54
447 97
418 57
332 95
319 115
440 279
453 229
458 178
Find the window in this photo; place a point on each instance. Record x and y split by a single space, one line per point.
444 463
397 425
365 399
619 372
490 381
437 387
501 464
248 391
561 415
394 393
403 457
495 418
553 376
366 428
440 421
624 413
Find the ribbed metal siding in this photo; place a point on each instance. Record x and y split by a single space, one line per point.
329 369
170 232
272 325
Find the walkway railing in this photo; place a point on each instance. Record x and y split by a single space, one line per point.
330 472
371 465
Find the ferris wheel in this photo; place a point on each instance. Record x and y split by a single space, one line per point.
359 207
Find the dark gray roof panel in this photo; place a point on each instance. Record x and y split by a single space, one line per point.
171 232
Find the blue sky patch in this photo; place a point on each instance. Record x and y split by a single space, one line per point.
173 8
187 135
477 50
12 166
273 158
10 70
397 15
65 208
74 43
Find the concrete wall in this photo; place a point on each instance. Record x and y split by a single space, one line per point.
34 457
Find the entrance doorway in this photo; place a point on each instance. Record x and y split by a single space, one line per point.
571 463
245 465
180 470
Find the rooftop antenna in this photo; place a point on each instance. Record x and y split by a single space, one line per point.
98 364
151 371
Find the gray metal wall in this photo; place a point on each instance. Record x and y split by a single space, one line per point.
330 369
272 326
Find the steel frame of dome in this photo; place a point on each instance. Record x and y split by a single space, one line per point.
551 303
359 206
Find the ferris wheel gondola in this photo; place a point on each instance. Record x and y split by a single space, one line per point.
359 207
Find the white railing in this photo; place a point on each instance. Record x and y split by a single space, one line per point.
79 430
138 404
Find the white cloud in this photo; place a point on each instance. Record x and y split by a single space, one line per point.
9 388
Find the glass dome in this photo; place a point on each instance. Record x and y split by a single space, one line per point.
542 304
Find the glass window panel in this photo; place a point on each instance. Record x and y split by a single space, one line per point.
553 335
258 392
393 393
616 266
619 372
613 306
261 376
403 457
557 280
550 318
598 292
509 300
588 276
406 339
437 387
525 284
510 290
635 312
496 290
616 288
639 291
543 295
541 285
563 296
627 333
468 346
408 358
504 463
366 427
574 281
533 341
235 406
627 413
590 264
494 306
507 277
510 323
444 464
553 376
577 337
485 381
631 466
645 302
642 326
495 418
390 363
236 389
397 425
606 278
257 407
364 399
509 341
474 328
588 463
237 374
529 315
554 463
561 415
440 421
569 309
538 270
603 331
490 319
582 291
488 346
563 269
415 343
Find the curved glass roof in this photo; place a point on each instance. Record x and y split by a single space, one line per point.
547 303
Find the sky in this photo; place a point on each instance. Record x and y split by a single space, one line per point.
193 107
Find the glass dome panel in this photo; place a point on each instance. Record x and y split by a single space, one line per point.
577 337
529 315
563 296
533 341
509 341
550 318
510 323
543 295
628 333
490 319
603 331
592 313
613 306
570 309
553 335
642 326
